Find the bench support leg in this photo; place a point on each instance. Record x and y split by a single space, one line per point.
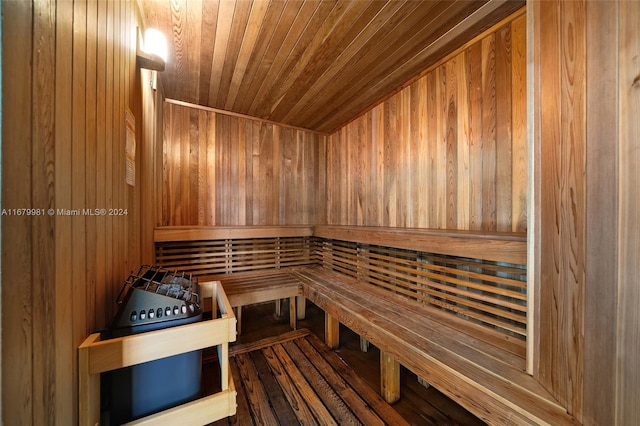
293 317
239 319
278 311
364 344
301 305
424 383
389 378
331 331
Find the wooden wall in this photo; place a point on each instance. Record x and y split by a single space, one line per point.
68 75
447 151
222 169
585 99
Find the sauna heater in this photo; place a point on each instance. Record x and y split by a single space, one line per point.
154 298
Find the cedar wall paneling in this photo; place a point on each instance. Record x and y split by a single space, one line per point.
68 75
585 133
448 151
221 169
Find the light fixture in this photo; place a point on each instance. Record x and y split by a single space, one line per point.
152 55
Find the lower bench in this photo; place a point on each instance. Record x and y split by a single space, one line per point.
474 366
258 287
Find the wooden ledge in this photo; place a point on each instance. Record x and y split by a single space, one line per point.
493 246
197 233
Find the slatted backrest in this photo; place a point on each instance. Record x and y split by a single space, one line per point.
489 292
207 252
479 277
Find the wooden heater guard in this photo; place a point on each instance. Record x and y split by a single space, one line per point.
96 356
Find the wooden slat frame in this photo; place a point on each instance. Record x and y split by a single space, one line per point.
490 299
97 356
233 255
417 263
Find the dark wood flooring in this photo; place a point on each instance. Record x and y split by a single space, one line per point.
419 405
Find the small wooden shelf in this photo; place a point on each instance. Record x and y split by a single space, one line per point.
96 356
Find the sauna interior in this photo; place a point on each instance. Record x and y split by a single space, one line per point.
446 189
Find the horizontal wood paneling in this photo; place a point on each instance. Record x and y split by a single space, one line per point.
448 151
68 76
226 170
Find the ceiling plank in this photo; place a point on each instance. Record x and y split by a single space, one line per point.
193 27
284 55
209 27
180 60
239 29
275 45
223 33
254 25
267 29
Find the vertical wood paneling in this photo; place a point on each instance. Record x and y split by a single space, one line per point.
90 162
452 140
42 157
474 70
78 276
519 125
70 76
560 361
585 135
100 170
422 158
108 159
572 215
601 292
489 157
439 219
504 139
628 348
62 386
228 170
463 143
445 146
18 265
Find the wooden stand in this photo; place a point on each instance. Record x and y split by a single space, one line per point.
97 356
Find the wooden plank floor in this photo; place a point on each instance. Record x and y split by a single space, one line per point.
295 379
286 377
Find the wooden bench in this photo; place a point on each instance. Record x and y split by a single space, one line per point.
251 262
264 286
449 306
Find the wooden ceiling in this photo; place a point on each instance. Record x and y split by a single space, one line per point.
310 64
